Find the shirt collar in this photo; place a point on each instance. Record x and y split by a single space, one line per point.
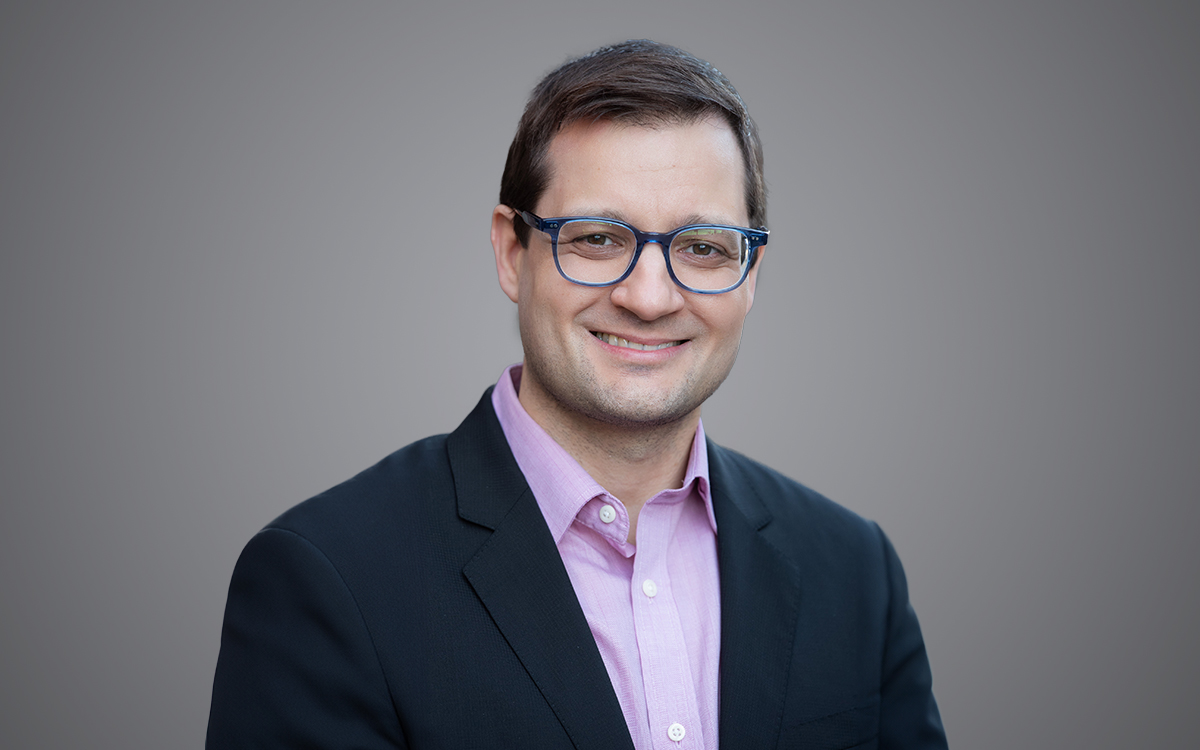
559 484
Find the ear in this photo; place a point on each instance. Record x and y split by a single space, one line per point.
509 252
752 277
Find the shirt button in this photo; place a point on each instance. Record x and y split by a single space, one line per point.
608 514
676 732
650 588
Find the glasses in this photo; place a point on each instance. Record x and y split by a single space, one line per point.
701 258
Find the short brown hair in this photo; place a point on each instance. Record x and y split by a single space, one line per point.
639 82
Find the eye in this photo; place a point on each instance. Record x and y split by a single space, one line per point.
706 250
706 245
597 240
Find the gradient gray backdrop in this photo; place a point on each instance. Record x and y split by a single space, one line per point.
245 254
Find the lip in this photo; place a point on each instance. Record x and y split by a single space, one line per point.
643 347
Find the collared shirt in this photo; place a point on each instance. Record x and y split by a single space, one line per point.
654 606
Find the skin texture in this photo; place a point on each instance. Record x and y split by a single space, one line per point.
627 416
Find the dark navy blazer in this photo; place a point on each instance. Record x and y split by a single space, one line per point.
423 604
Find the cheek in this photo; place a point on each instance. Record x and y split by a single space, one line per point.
542 303
531 294
725 317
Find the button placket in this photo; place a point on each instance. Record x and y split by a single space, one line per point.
670 692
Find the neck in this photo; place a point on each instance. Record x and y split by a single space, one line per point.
632 462
632 465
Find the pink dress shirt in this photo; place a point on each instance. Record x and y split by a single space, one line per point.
654 608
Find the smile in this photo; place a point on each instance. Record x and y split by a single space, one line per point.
608 338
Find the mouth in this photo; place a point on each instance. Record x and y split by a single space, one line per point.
617 341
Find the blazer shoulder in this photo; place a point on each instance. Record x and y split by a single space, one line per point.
375 498
777 492
791 514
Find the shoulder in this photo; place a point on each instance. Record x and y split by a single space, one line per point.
316 601
378 505
763 490
794 517
401 512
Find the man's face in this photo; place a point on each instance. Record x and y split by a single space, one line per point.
656 179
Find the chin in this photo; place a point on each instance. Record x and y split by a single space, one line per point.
642 409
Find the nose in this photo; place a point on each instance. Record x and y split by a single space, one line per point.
648 291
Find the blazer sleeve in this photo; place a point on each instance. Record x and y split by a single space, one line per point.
909 715
297 667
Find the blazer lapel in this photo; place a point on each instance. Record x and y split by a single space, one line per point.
760 597
519 576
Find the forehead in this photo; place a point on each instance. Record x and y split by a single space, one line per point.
658 173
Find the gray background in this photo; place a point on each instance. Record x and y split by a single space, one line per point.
221 293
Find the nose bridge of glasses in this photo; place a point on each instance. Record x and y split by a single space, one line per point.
664 243
662 239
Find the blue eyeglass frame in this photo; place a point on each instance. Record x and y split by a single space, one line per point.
755 237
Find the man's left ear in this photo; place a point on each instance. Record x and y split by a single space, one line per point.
509 251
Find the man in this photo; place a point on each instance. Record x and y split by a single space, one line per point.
577 566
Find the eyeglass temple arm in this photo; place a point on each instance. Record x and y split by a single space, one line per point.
536 221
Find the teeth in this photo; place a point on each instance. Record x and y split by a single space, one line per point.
608 338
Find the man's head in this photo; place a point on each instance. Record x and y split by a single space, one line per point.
646 136
639 82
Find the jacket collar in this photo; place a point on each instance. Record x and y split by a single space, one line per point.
760 597
520 578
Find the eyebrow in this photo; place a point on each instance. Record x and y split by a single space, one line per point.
619 216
